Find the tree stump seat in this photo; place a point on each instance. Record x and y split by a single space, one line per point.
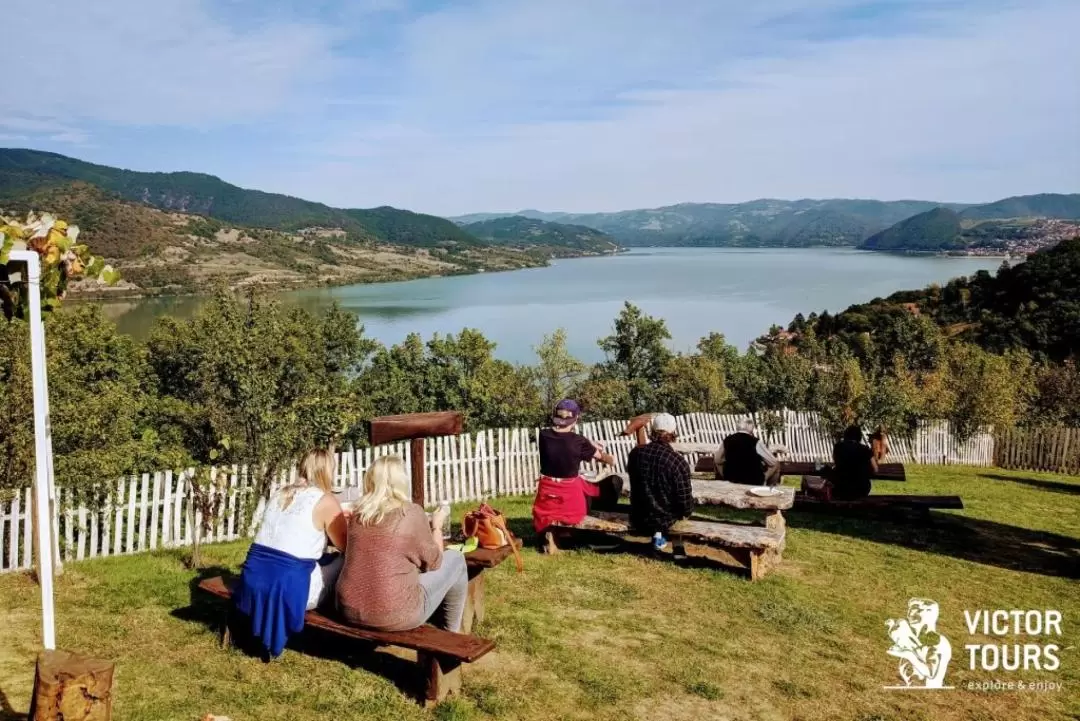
440 653
755 549
71 687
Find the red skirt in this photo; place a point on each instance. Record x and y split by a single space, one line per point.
561 500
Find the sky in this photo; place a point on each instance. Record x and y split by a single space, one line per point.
450 107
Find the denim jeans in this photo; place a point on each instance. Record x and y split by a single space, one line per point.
445 591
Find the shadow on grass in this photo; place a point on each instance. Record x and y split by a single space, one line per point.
971 539
7 712
213 612
1041 484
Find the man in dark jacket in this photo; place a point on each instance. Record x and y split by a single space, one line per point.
660 491
743 458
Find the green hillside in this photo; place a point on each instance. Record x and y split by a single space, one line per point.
935 230
1034 305
758 223
1044 205
23 172
521 231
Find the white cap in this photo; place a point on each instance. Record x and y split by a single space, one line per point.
663 422
745 425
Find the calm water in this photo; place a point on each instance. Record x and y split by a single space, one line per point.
739 293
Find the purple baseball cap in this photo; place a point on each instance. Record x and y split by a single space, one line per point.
566 413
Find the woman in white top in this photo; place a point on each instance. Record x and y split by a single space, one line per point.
301 517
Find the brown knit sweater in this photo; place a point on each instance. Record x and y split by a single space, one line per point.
379 586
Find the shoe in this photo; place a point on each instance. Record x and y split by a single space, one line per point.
658 542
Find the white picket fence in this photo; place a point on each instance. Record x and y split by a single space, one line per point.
150 510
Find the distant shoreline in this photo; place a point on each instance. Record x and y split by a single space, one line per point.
96 295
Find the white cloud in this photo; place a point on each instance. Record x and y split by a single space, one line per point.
974 103
159 62
562 104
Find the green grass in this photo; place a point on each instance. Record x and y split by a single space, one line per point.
591 635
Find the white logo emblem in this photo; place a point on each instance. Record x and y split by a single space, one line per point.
924 653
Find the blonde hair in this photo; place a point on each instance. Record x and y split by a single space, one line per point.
317 469
386 489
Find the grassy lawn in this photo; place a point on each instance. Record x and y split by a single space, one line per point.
594 635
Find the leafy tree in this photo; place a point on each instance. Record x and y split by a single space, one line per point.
694 384
839 391
17 404
102 403
987 389
557 373
247 382
450 373
637 356
1058 398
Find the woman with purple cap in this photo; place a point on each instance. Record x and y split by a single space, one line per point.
561 493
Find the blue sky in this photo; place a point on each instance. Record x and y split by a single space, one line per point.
578 105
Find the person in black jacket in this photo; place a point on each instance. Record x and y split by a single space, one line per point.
743 458
660 491
853 465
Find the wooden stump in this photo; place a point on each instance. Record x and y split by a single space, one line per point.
70 687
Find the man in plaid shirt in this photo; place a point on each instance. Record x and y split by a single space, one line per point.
660 492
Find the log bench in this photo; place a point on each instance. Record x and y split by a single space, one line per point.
439 653
752 548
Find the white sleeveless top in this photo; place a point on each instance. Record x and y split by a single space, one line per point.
292 530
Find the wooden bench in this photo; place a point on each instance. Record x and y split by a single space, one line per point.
753 548
881 502
439 653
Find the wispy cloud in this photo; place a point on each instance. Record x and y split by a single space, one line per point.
166 62
562 104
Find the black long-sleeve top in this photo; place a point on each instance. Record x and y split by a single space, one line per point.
660 491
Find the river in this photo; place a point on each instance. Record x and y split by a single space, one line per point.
737 292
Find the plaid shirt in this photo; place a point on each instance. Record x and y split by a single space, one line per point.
660 491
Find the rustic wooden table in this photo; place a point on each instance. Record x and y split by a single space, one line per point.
736 495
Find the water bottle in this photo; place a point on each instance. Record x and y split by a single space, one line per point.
444 507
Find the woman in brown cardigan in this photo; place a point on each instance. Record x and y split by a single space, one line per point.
397 575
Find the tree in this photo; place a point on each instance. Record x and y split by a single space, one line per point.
637 356
987 389
450 373
1058 399
557 373
694 384
839 391
17 404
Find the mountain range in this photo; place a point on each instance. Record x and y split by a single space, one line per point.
179 231
782 223
516 229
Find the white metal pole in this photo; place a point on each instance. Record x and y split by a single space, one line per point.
42 446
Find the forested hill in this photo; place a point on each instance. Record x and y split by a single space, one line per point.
934 230
759 223
1021 225
519 230
1032 306
1044 205
23 172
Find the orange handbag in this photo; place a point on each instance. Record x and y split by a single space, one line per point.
489 527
